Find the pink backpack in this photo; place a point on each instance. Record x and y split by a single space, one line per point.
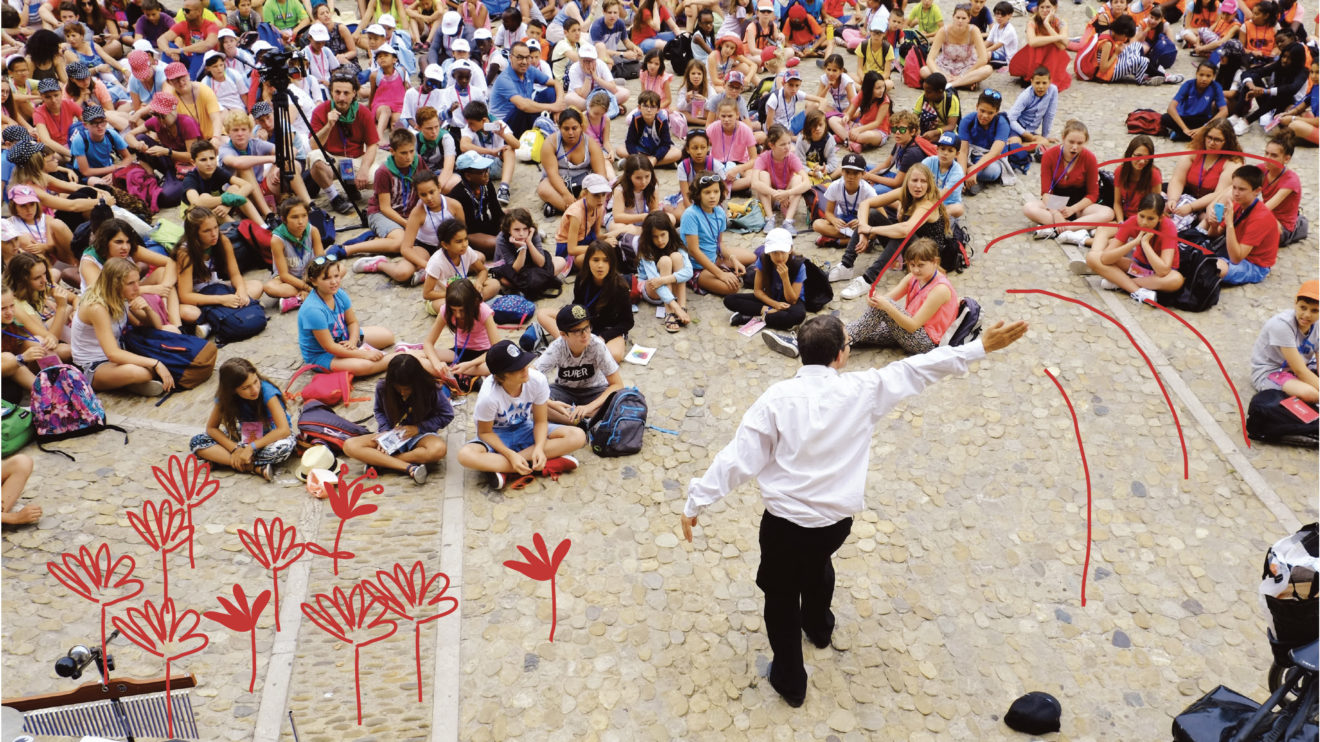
328 387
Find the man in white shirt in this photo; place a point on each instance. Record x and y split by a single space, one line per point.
802 440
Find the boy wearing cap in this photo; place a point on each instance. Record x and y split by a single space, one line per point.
483 215
94 148
514 434
463 92
1284 356
588 75
944 166
1250 231
54 117
843 199
440 48
193 35
803 36
782 105
461 56
648 133
875 53
401 42
493 139
585 372
431 94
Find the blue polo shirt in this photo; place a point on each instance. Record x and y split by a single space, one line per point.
945 180
508 85
1205 103
971 131
99 154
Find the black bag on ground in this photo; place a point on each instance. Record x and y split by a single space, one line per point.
617 427
967 324
1201 281
1213 717
1269 421
816 290
627 69
318 425
231 325
956 250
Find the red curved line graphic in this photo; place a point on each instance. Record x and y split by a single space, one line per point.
1093 225
1146 358
1086 471
981 166
1222 370
1230 153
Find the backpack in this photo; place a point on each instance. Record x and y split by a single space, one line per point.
140 182
759 97
814 200
511 310
966 325
746 217
617 427
913 60
17 429
1087 63
324 223
327 387
1201 281
627 69
955 250
1144 121
258 237
678 53
816 291
190 359
64 406
318 425
232 325
1269 421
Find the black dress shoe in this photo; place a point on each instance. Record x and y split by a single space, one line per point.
794 701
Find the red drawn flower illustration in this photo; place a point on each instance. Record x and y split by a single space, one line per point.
241 617
407 594
344 499
356 618
541 566
164 528
275 547
98 578
166 634
187 481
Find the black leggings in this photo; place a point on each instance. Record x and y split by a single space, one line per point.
889 246
780 319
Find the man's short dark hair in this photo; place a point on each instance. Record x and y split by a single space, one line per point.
345 78
1252 175
820 340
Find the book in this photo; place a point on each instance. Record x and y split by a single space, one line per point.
640 355
752 327
1302 410
391 440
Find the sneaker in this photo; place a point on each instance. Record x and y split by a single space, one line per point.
502 194
1173 78
1108 285
498 479
1154 80
856 147
1079 268
1240 125
368 264
769 224
781 344
151 388
1047 233
1141 295
971 189
289 304
407 347
341 204
841 272
417 278
272 221
855 288
418 473
337 252
549 211
790 227
1007 177
1036 154
1073 237
820 63
202 330
559 465
738 319
1268 122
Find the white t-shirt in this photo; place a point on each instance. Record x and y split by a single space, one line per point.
576 75
781 107
228 92
439 267
449 96
1006 36
587 371
846 205
839 94
496 406
321 65
414 99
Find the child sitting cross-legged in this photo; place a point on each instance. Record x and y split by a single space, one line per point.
293 244
648 132
514 434
455 261
410 409
843 200
329 334
586 373
419 241
1140 263
779 178
930 305
249 429
776 295
1284 356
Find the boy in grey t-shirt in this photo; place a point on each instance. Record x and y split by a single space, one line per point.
585 371
1284 356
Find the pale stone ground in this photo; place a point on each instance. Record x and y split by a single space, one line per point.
957 591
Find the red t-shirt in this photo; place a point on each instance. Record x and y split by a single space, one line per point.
1260 230
1286 211
1167 239
347 140
189 35
1082 172
642 29
58 127
1131 200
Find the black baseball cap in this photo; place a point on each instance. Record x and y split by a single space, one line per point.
570 316
1035 713
505 356
854 161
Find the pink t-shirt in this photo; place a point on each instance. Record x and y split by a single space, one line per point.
781 173
731 147
478 338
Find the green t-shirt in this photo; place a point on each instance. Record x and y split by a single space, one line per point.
283 16
928 21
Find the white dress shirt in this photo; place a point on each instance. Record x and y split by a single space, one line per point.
807 440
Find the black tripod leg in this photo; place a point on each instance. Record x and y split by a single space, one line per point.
362 215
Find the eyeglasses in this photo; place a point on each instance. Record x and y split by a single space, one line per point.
521 57
706 180
848 344
580 331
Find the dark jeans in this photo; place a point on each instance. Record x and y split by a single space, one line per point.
1193 123
797 577
520 121
887 246
783 319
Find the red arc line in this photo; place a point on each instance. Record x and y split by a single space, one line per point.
1230 153
1146 358
1242 415
1086 471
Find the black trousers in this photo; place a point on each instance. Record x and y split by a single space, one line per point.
779 319
797 577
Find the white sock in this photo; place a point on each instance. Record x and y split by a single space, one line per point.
333 191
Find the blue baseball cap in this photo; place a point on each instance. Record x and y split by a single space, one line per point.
472 161
948 139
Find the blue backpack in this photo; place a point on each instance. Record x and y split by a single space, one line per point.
617 427
190 359
232 325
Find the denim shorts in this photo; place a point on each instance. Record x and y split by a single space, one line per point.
1245 272
517 439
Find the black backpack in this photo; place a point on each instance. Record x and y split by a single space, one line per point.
1201 281
967 325
760 96
678 53
617 427
816 291
956 251
1269 421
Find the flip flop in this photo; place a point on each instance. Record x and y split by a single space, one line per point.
672 323
522 481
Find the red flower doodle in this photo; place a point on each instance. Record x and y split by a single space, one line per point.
405 593
165 634
276 548
92 576
542 567
344 616
241 617
187 481
344 497
164 528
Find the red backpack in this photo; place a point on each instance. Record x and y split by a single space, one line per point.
1144 121
327 387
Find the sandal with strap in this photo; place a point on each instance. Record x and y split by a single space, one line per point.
672 323
522 481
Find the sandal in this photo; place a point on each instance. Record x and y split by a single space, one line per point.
672 323
522 481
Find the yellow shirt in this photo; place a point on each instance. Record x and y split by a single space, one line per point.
201 104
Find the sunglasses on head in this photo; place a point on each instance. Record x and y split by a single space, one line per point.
992 94
706 180
323 259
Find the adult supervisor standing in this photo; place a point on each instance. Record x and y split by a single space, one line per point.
803 441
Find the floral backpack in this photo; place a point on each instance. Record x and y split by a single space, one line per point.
64 406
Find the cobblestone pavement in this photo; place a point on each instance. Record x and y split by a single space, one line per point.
958 589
